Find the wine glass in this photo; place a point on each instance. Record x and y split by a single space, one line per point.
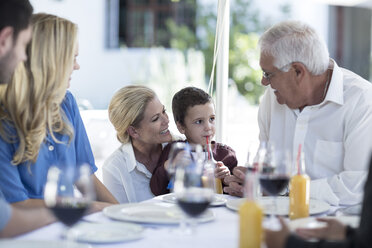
275 175
194 183
67 202
174 160
255 152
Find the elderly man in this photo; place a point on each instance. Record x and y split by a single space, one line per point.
15 33
311 101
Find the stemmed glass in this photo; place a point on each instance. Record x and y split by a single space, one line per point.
67 202
275 175
175 159
194 183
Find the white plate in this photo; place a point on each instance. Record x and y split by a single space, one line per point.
12 243
156 213
282 207
219 200
311 222
106 232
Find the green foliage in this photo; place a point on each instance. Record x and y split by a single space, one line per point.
245 27
182 37
244 67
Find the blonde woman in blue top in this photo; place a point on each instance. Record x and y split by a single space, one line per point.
41 123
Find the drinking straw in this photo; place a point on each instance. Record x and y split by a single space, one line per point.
298 159
209 155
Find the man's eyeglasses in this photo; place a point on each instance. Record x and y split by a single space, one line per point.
268 75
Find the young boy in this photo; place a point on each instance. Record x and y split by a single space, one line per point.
194 114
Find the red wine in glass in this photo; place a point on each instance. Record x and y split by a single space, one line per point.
69 213
193 206
274 184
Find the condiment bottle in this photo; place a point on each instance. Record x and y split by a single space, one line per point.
299 190
250 216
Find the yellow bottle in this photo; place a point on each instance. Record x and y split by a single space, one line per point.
299 192
218 185
250 215
211 160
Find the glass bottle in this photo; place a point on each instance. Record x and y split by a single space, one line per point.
211 161
250 216
299 191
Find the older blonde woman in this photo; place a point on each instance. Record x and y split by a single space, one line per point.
41 121
142 127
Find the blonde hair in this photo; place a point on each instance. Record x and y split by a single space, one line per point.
127 108
31 102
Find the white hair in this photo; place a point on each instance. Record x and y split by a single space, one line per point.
294 41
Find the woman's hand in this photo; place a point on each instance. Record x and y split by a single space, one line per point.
97 206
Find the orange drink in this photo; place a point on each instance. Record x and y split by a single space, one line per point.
250 216
299 196
299 190
218 186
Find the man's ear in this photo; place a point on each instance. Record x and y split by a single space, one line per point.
132 132
180 127
300 70
6 40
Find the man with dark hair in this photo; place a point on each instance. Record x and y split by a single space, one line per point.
15 33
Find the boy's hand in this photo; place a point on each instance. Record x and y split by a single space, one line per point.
221 171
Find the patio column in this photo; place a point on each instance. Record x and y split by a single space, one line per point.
222 72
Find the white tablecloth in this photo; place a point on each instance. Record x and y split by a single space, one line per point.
222 232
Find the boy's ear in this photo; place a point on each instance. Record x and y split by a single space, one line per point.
132 132
180 127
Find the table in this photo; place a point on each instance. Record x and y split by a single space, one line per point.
222 232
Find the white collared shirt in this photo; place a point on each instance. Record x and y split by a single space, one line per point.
127 179
336 136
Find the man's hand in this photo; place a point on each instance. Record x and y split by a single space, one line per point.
277 239
334 230
235 182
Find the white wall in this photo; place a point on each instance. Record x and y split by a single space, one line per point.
102 71
309 11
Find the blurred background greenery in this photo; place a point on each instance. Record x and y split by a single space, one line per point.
246 25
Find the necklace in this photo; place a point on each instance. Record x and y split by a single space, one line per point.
327 84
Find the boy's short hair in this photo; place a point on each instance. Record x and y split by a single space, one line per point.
186 98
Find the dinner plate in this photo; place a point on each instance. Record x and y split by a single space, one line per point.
282 206
14 243
218 200
106 232
156 213
311 222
